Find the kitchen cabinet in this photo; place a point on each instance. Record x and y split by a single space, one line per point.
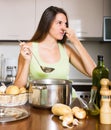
17 19
85 16
41 5
107 7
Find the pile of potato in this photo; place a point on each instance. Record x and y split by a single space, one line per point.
13 95
12 89
68 115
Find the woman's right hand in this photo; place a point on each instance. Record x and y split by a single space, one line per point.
25 51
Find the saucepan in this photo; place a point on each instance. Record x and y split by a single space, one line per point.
46 92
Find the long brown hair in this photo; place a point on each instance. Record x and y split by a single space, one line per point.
45 23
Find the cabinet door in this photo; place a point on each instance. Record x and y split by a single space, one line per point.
107 7
17 19
85 16
41 5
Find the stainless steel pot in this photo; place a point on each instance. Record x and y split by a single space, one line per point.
46 92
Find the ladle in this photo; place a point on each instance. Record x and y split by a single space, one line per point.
44 68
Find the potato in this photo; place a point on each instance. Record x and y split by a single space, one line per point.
75 109
79 112
12 89
60 109
23 90
1 92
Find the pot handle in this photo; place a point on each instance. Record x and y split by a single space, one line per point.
41 87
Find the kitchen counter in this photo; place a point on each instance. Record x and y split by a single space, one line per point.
43 119
82 82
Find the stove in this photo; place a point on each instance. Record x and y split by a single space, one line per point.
82 87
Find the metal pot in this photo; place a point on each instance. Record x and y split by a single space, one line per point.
46 92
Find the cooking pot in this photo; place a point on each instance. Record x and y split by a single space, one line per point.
46 92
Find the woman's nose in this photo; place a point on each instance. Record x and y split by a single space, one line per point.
64 26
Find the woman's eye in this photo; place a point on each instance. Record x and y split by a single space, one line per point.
60 22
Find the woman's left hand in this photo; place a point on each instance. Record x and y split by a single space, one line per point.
70 34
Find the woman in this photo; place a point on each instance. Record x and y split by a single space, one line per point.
49 46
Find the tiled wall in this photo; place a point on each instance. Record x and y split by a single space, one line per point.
11 50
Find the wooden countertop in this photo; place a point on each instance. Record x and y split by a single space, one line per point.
43 119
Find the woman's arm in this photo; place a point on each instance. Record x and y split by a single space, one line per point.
79 57
23 65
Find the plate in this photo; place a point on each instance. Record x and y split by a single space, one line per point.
12 114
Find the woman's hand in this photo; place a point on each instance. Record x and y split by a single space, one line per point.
25 51
71 35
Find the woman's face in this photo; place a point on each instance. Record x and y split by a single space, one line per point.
58 26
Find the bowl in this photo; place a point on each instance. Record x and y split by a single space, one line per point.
13 100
